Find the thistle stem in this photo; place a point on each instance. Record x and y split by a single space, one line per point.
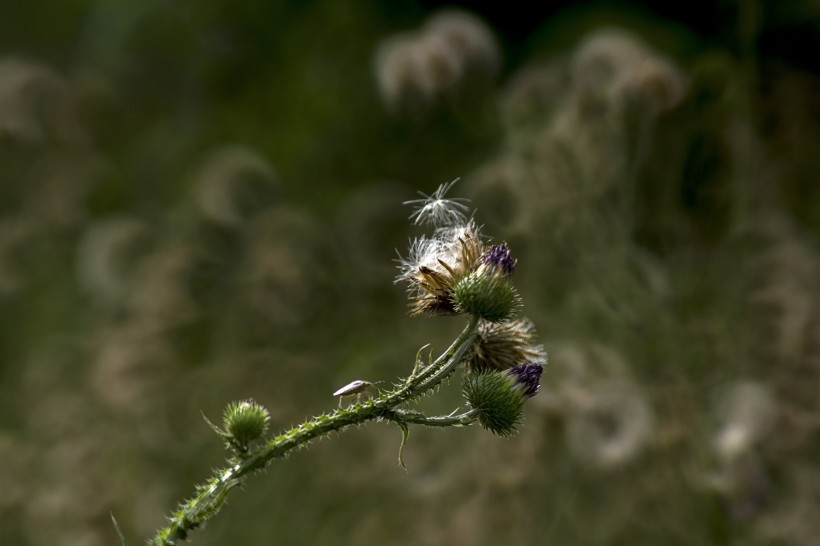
210 496
416 418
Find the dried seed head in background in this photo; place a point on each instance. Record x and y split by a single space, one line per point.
454 54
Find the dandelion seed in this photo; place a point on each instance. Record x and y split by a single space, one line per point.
435 210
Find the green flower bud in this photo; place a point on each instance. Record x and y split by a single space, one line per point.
245 421
487 294
499 396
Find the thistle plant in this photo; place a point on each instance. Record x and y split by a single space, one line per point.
453 271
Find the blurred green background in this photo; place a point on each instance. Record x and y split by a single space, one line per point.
201 202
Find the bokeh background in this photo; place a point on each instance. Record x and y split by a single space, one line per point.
200 202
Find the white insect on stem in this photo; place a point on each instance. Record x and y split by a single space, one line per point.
435 210
356 387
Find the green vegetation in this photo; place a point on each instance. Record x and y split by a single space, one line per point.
199 204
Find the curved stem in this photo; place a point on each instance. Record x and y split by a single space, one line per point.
211 496
439 370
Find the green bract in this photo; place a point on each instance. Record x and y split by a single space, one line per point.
500 404
486 294
245 421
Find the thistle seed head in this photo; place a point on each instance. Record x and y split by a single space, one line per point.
502 345
454 271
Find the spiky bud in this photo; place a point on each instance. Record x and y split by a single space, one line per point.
499 396
245 421
486 294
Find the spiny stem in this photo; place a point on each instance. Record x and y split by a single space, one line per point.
416 418
212 495
444 365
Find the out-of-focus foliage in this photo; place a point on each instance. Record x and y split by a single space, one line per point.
199 203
